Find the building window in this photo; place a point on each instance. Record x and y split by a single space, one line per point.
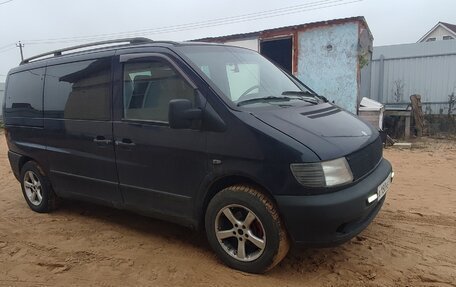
430 39
447 38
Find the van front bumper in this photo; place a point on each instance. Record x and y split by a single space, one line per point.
333 218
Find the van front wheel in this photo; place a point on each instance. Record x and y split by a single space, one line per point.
245 230
36 188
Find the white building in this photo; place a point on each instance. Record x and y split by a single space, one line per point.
441 31
331 57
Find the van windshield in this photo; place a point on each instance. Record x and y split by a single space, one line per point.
245 77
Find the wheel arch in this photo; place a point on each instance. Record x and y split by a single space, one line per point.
223 182
23 160
17 161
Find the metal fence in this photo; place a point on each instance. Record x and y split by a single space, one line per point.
427 69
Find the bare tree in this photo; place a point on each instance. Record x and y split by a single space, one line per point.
451 103
398 90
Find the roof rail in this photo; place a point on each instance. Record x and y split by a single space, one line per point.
138 40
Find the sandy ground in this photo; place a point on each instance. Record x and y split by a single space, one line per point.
412 242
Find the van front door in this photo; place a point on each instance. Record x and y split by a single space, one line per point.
159 168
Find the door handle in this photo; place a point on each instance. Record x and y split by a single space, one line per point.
125 142
101 140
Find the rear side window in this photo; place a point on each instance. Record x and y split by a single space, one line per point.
24 98
148 88
79 90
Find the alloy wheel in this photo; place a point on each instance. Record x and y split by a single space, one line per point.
240 232
33 188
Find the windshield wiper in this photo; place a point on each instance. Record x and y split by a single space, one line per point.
264 100
298 93
305 96
304 93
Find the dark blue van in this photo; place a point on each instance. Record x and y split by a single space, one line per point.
203 135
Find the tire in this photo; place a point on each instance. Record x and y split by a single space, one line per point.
36 188
244 229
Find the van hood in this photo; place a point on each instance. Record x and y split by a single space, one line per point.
326 129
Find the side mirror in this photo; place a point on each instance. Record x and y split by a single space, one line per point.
181 114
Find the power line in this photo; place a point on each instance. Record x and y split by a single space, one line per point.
223 21
4 2
317 5
320 2
6 46
8 49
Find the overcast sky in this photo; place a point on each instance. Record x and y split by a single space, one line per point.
34 22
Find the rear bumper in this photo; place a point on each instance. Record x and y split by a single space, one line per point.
333 218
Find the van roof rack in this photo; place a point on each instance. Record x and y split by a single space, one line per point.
138 40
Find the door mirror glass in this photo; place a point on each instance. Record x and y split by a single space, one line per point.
181 115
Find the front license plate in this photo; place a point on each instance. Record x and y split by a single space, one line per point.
383 187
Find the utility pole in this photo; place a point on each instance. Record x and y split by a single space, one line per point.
20 45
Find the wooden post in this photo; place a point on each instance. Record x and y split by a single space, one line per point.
407 126
417 112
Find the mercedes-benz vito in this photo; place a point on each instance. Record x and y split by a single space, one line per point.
203 135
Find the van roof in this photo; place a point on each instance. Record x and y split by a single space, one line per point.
108 45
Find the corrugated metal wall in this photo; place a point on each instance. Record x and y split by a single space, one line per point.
427 69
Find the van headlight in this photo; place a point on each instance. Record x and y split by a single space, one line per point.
322 174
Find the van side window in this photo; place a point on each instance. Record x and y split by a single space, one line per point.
79 90
24 98
148 88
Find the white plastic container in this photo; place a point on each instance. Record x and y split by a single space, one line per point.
371 111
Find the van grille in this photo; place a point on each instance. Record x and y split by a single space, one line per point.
366 159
